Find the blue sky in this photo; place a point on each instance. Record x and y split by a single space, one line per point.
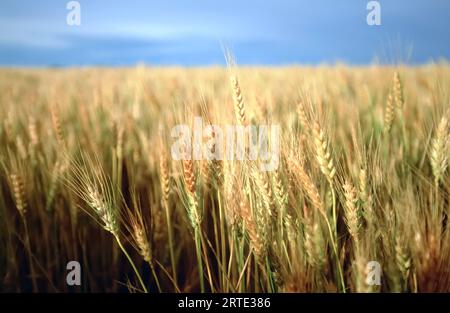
181 32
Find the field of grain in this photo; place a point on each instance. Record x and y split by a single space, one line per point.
87 175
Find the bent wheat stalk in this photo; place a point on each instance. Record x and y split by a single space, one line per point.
90 183
21 205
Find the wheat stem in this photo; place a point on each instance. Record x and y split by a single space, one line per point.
131 263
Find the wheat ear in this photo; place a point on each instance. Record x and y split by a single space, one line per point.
398 91
190 180
314 241
139 234
96 201
32 131
308 186
19 193
439 150
21 204
302 116
280 191
250 226
402 258
389 113
56 120
351 211
239 106
164 177
193 213
323 153
165 188
364 195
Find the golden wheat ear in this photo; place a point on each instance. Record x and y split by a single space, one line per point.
389 113
164 177
56 121
398 91
440 149
239 106
18 189
323 152
351 211
250 226
303 118
308 186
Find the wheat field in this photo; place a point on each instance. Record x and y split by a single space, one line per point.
87 175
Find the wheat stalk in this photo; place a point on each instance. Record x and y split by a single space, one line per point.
138 231
21 205
165 189
193 212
